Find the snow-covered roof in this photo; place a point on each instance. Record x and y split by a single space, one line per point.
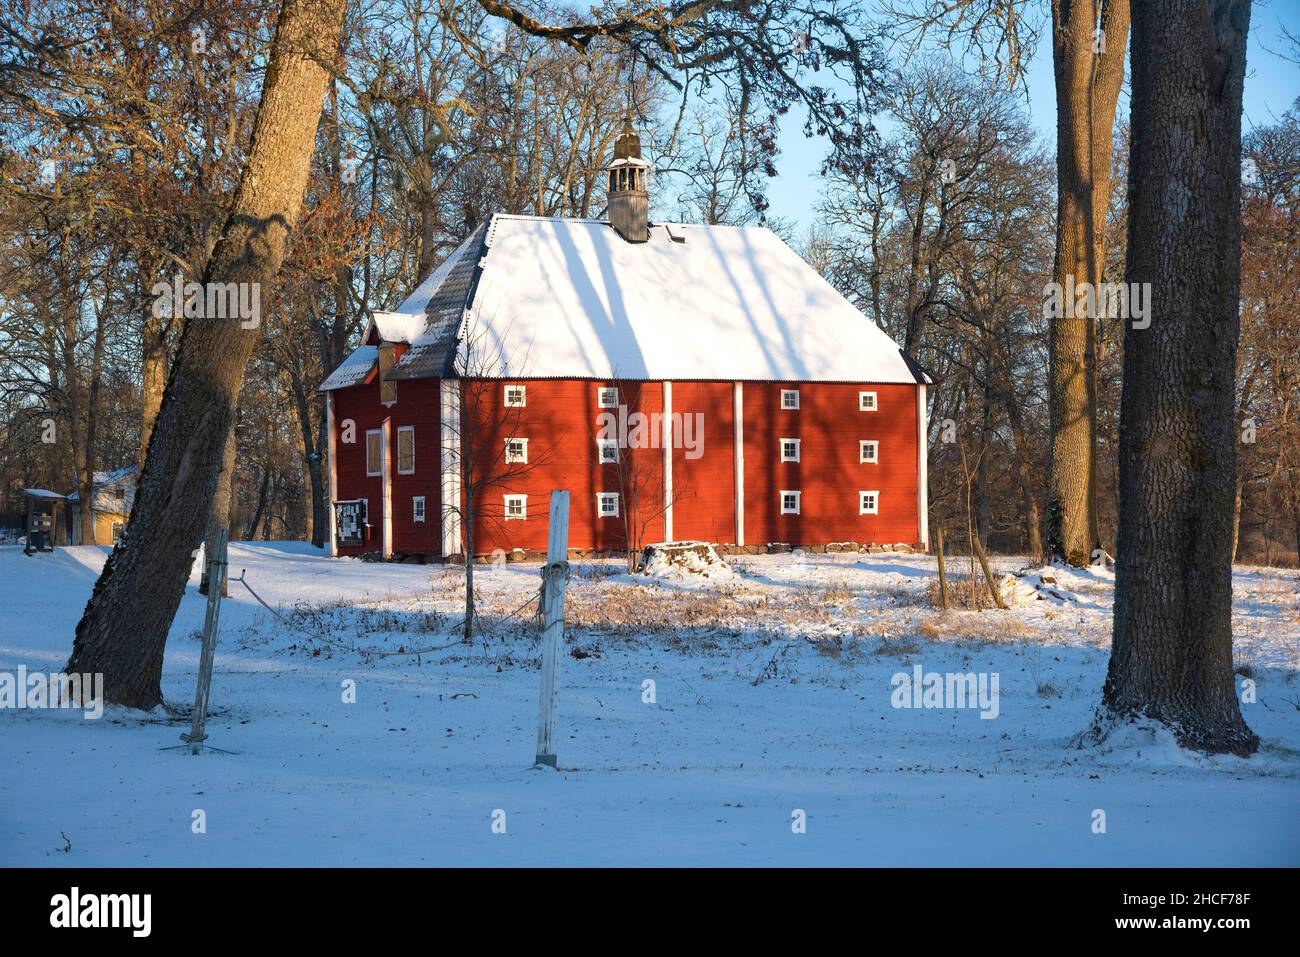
397 326
107 486
42 493
565 297
569 298
355 368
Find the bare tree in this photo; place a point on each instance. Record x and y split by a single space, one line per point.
124 629
484 456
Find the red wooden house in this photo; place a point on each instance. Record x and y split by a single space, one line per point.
682 382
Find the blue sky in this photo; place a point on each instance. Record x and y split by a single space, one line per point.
1272 85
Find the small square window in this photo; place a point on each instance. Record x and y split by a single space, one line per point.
516 506
406 450
868 503
607 504
516 451
867 401
417 508
790 502
608 449
375 452
516 396
868 450
790 450
789 398
607 397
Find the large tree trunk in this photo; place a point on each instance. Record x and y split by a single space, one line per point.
1089 71
1172 653
124 629
153 373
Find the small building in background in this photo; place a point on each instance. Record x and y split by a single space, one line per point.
114 494
43 526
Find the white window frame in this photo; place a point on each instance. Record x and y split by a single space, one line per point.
523 507
875 451
517 460
862 504
417 508
781 448
798 501
601 402
600 501
523 396
874 405
787 392
383 452
400 430
601 446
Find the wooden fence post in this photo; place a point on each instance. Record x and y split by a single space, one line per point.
216 566
555 577
988 574
943 578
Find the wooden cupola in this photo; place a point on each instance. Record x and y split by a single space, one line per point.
629 201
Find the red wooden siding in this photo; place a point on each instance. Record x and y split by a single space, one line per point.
561 420
416 405
704 489
828 475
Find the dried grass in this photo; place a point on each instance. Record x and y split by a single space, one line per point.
964 592
972 626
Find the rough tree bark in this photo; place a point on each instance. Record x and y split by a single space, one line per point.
1089 70
153 371
1172 652
123 630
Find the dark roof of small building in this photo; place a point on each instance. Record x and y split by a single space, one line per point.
434 353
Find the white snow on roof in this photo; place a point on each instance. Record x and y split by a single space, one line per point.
41 493
108 478
563 297
399 326
107 485
354 369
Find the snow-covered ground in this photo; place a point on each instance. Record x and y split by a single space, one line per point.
773 694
